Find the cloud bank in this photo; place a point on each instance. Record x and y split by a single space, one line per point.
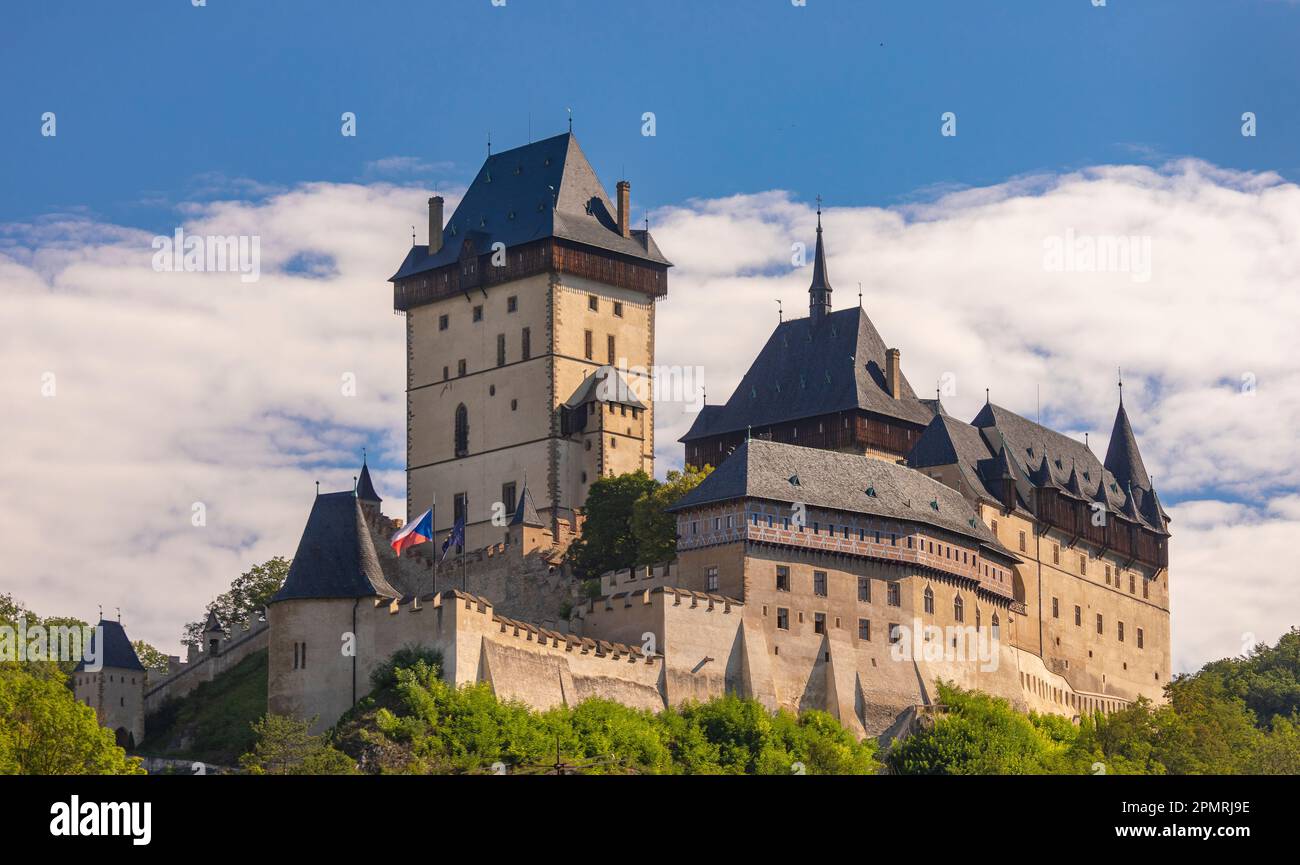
171 389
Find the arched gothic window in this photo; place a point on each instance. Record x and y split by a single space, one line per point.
958 609
995 626
929 599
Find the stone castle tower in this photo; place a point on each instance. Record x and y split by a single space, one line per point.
116 690
530 342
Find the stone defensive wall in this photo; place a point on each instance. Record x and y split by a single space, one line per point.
540 667
713 645
200 666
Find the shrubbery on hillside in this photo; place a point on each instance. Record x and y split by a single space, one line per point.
420 724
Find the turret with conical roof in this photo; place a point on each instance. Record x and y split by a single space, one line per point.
1122 457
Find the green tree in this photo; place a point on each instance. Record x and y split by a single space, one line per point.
45 731
607 542
654 529
153 660
285 746
979 735
248 593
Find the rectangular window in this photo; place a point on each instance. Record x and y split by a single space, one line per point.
1146 592
1101 629
819 583
1078 616
609 345
819 623
1083 563
711 579
501 349
782 578
618 308
458 506
864 589
864 629
1022 542
1056 609
1056 554
478 313
587 349
895 633
508 498
1132 584
893 595
443 321
1120 631
460 367
526 344
782 618
593 304
512 303
445 374
1139 635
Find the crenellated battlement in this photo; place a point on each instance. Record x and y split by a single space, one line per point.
529 632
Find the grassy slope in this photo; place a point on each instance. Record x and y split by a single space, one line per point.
211 723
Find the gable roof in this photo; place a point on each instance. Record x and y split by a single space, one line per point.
335 558
788 473
812 368
543 189
117 652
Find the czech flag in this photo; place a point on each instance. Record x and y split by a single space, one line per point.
417 531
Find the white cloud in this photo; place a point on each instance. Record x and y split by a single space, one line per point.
176 388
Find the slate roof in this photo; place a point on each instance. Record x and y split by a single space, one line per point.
948 441
213 623
999 443
819 292
335 558
365 486
1122 457
543 189
812 368
117 652
830 479
526 511
595 389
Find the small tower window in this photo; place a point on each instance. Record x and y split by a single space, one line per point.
462 430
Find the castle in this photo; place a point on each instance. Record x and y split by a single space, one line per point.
854 545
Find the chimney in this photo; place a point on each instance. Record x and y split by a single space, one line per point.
435 224
893 375
625 208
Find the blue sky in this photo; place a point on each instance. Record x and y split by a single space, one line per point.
156 101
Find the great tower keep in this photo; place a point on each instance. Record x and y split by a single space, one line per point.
526 314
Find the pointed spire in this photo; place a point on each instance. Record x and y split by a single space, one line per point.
526 510
1122 457
819 293
365 486
213 623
